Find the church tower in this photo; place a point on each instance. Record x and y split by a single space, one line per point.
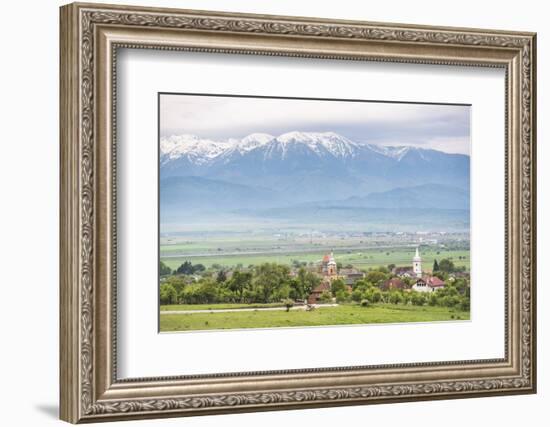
417 264
331 266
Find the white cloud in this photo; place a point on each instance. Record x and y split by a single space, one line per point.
442 126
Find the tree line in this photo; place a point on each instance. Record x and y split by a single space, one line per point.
271 282
265 283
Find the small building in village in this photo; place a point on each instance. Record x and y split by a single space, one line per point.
351 275
403 272
393 283
410 271
423 282
428 284
315 295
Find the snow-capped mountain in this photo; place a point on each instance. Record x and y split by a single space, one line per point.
303 166
202 151
392 151
196 149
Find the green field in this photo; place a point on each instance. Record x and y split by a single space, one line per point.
359 258
341 315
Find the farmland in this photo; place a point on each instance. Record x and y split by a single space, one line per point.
346 314
229 250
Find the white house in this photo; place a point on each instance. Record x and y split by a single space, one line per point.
428 284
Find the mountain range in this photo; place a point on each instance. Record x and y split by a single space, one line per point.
309 166
304 171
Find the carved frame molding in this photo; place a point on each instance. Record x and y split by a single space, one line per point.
90 390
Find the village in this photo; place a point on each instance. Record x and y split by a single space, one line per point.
406 279
326 285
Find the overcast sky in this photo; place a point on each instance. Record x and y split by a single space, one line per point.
441 127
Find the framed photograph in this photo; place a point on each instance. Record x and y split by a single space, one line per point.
265 213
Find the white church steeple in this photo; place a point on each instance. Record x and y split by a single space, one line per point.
417 264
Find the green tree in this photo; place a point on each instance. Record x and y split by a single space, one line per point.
304 283
435 267
337 285
271 282
168 294
221 277
408 281
362 285
375 277
207 292
178 282
446 265
164 270
185 268
188 268
239 283
198 268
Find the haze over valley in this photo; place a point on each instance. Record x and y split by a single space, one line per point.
310 180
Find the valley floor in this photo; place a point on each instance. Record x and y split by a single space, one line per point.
345 314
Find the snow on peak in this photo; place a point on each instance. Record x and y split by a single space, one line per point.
252 141
192 146
202 150
395 152
320 142
260 138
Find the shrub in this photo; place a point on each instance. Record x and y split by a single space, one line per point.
365 303
376 296
395 298
418 299
342 296
432 300
356 295
326 297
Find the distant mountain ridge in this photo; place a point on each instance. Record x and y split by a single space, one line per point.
310 166
427 196
192 193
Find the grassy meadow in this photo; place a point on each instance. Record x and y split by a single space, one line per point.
348 314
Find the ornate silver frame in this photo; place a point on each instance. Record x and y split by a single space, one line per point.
90 35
